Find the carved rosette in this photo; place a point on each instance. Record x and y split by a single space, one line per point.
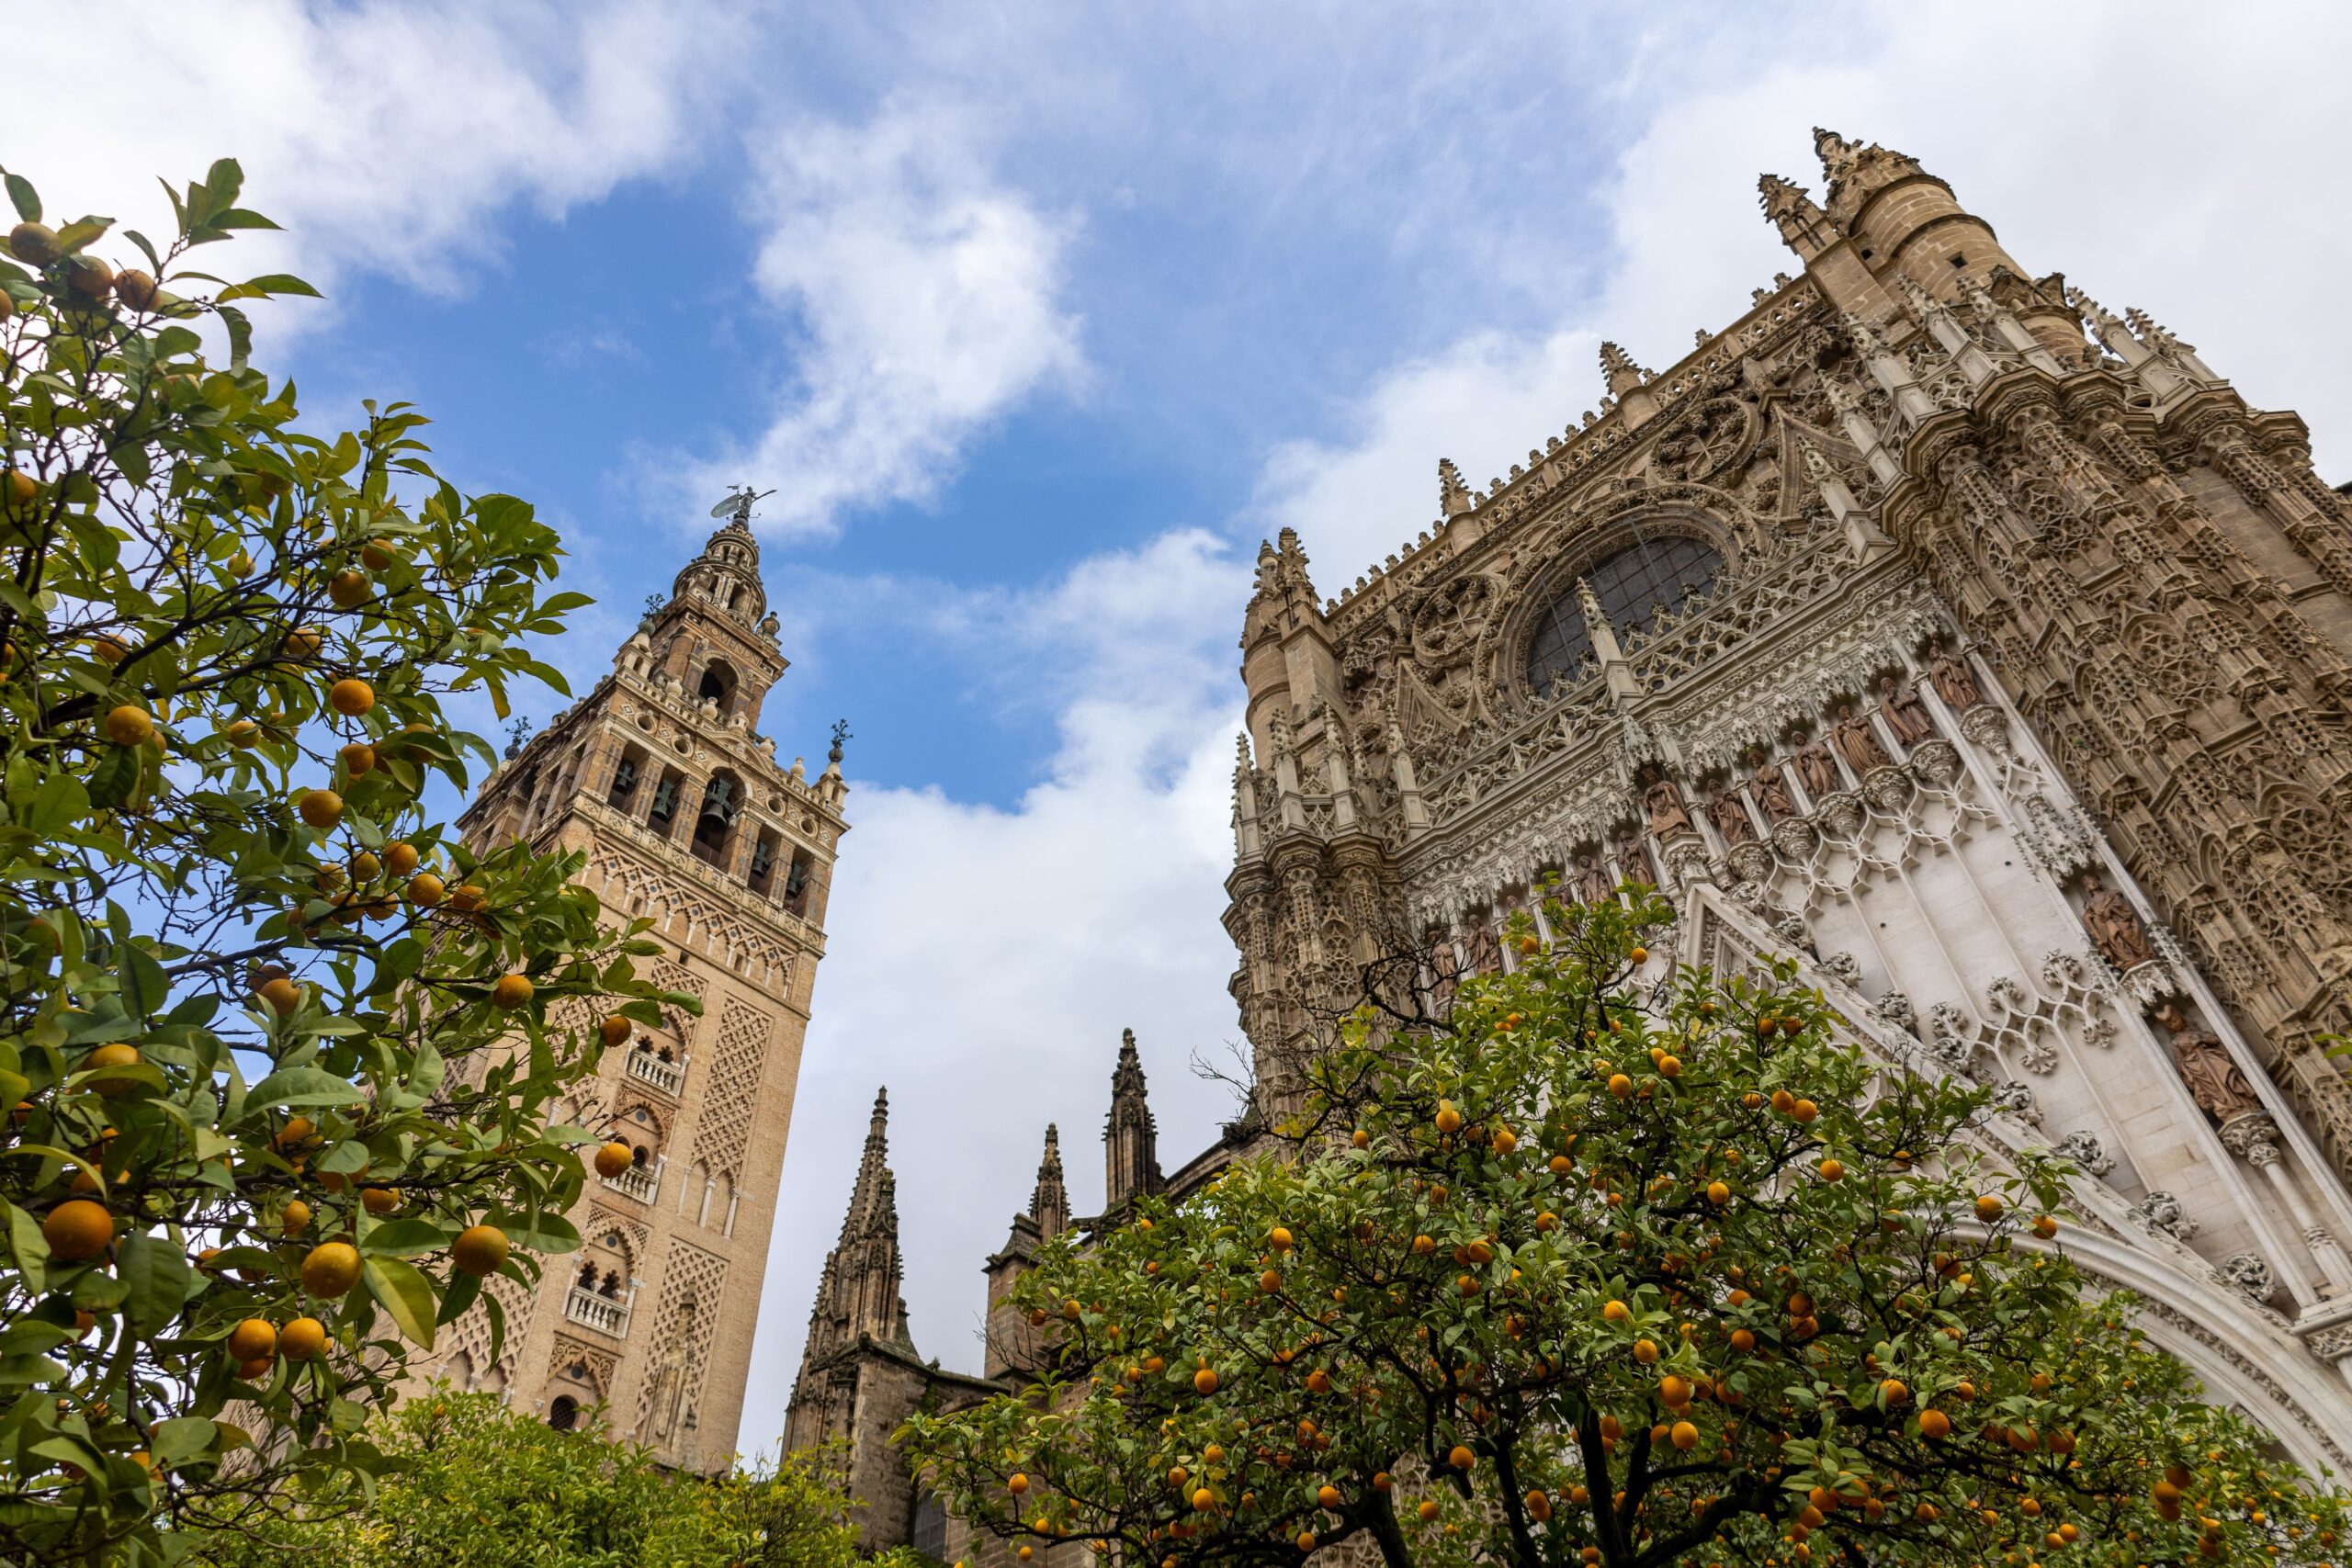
2249 1272
2086 1152
1888 788
1750 862
2253 1137
1841 813
1987 728
1687 861
1796 840
1937 760
2333 1343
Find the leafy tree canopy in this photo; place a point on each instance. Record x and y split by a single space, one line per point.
1581 1276
471 1485
281 1050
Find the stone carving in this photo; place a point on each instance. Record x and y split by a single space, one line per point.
2019 1101
2248 1271
1905 715
1486 949
1895 1009
1445 970
739 1056
1857 743
2115 926
2214 1080
1843 967
1953 1037
1772 791
1730 818
1593 885
1817 768
2253 1136
2086 1152
1662 797
1955 683
2333 1343
2162 1213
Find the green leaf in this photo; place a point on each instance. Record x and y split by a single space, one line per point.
76 236
145 987
157 1274
181 1438
403 1292
31 1250
462 1292
269 284
303 1086
404 1237
20 193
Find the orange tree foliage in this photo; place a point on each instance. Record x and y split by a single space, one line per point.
1570 1278
278 1047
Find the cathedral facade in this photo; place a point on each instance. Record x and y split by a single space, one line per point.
661 778
1929 623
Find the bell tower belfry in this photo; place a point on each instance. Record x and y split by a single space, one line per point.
661 777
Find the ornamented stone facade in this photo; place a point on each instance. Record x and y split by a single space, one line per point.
661 777
1981 649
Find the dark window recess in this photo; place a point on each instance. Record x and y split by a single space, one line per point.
563 1412
624 782
665 801
762 862
714 824
928 1531
1633 586
795 883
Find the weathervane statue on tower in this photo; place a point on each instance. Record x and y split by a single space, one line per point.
737 506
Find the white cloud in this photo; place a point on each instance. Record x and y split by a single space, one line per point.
925 296
386 138
982 962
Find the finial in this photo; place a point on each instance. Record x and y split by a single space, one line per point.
516 734
736 506
881 1108
1618 367
840 735
1837 155
1453 495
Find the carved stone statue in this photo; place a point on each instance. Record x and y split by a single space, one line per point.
1817 768
1634 856
1857 743
1593 885
1730 818
1445 968
1663 797
1486 950
1905 713
1770 790
2115 926
1955 683
2214 1080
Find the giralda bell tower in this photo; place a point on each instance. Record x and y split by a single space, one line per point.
662 776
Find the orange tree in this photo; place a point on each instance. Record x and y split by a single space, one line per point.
1584 1274
278 1046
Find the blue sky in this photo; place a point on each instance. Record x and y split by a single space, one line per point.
1040 316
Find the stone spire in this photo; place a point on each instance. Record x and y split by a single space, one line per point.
1837 155
1130 1137
1452 496
1804 227
1621 373
727 574
1049 1201
859 1293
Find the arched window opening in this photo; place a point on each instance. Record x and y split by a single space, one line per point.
625 772
719 682
722 800
1633 586
665 801
795 883
762 873
563 1412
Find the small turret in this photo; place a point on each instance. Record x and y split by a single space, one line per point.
1287 653
1628 384
1130 1137
1050 1200
858 1294
1453 497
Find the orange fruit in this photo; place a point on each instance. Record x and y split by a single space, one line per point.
614 1031
244 734
111 649
479 1249
1684 1435
256 1369
1805 1110
321 808
252 1339
77 1230
349 590
1359 1139
358 759
1305 1541
135 288
1988 1208
1832 1171
330 1269
129 725
377 554
1018 1484
614 1159
426 888
469 898
1893 1392
399 859
366 867
302 1339
304 642
282 995
1461 1458
1203 1500
111 1056
351 696
511 992
1640 955
1269 1281
1279 1239
1718 1192
1427 1510
378 1199
34 243
1615 1312
1205 1381
1620 1085
1934 1424
89 277
2045 1228
295 1218
1449 1120
1328 1497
